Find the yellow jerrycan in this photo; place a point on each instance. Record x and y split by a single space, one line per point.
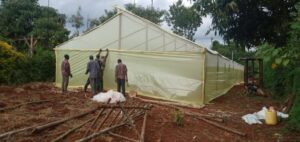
271 116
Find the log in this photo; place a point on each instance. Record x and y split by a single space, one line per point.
52 124
61 137
144 128
19 105
222 127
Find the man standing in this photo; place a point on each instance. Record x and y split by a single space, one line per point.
103 61
66 73
98 87
121 76
93 69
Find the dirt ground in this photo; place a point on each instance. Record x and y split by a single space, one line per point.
160 125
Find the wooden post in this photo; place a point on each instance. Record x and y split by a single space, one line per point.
246 72
144 128
261 73
217 72
204 76
164 42
120 32
146 37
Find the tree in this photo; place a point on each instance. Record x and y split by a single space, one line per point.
24 18
77 21
17 17
184 20
103 18
50 24
149 13
152 14
230 51
249 22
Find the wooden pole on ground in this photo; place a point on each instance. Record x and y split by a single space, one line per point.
222 127
51 124
61 137
122 137
144 128
85 139
19 105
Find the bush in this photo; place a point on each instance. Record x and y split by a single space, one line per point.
16 68
294 120
10 61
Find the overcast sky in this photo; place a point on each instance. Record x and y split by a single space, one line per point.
95 8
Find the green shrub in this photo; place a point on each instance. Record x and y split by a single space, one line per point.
294 120
9 63
16 68
178 117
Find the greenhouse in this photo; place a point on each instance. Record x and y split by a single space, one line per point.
160 64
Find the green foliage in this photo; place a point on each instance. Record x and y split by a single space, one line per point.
152 14
53 28
16 68
77 21
281 69
23 18
149 13
184 20
178 117
107 14
250 22
17 17
9 62
230 49
295 111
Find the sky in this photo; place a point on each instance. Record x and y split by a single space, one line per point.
95 8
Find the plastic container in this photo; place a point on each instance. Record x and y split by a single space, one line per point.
271 117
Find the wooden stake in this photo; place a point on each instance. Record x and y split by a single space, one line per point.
222 127
183 110
71 130
144 128
16 131
166 103
122 137
51 124
124 107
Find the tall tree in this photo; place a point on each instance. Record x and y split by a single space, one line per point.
50 23
77 21
152 14
25 18
249 22
17 17
184 20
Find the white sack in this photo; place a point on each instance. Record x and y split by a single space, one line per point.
256 117
112 95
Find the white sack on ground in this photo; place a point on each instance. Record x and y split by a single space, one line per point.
255 118
112 95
